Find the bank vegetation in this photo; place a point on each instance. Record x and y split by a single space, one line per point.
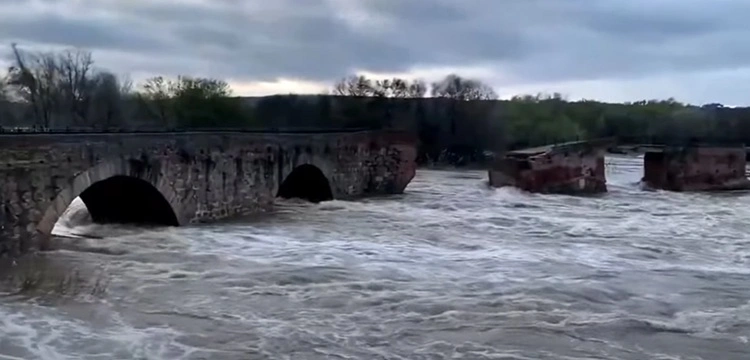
457 119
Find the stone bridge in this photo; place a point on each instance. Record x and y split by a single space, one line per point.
181 178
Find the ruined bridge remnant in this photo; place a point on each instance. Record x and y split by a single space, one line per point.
578 168
568 168
182 178
696 168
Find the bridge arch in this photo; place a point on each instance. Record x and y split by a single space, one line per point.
127 200
117 192
306 182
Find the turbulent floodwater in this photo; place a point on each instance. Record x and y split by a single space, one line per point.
450 270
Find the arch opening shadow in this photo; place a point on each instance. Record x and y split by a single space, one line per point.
127 200
306 182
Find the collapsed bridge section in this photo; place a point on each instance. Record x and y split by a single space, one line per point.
696 168
569 168
578 168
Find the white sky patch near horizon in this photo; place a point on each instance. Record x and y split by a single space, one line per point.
277 87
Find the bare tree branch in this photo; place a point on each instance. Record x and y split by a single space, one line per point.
354 86
75 84
155 96
389 88
458 88
63 88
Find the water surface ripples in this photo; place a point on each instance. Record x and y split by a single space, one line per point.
451 269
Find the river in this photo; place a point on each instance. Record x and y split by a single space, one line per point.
452 269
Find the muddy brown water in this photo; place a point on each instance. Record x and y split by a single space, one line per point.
450 270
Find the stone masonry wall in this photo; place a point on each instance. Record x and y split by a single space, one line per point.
203 176
696 169
571 170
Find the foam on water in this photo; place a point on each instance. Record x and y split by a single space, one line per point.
76 216
450 269
40 333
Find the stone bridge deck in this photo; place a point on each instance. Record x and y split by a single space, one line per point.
186 177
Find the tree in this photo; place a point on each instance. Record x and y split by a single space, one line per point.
108 99
191 102
388 88
33 84
4 91
203 102
155 97
384 98
60 88
399 88
201 88
354 86
7 116
469 117
457 88
75 87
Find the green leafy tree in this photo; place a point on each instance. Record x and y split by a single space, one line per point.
189 102
203 102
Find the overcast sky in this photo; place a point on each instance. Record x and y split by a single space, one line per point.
616 50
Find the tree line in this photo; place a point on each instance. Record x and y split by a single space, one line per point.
457 119
65 90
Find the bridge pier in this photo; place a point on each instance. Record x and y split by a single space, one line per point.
696 168
569 168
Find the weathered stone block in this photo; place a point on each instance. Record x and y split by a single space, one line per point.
695 168
571 168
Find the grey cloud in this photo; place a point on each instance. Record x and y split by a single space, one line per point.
650 27
89 33
637 38
533 40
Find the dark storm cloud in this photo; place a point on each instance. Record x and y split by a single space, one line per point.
532 40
